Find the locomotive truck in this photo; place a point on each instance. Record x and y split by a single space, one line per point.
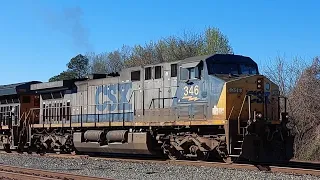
217 105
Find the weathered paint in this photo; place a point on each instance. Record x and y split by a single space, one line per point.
108 117
198 98
104 103
215 89
219 110
105 124
208 100
191 92
116 96
208 90
248 85
259 97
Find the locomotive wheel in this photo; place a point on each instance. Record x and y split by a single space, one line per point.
228 160
6 148
29 151
202 156
20 150
175 155
41 150
171 152
73 153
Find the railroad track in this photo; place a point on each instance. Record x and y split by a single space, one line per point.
18 173
293 167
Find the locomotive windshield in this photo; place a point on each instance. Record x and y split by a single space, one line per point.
229 68
231 64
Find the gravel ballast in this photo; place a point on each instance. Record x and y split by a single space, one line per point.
124 170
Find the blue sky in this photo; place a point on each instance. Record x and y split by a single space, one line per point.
37 41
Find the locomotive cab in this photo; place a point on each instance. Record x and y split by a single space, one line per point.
232 93
213 80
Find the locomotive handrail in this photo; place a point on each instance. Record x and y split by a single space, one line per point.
77 111
131 95
230 113
240 112
6 114
22 115
31 117
79 114
134 105
152 100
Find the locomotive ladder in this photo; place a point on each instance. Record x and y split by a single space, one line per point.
22 129
236 147
237 141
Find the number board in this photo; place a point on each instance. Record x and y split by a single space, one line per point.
235 90
191 93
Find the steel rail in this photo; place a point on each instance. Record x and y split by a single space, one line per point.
15 172
307 168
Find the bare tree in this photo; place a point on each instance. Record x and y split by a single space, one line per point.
98 63
115 61
285 73
304 105
301 84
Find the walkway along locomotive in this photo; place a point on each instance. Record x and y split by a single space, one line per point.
216 105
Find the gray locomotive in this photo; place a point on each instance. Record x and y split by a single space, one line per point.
216 105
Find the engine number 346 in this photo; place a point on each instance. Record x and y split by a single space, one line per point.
191 90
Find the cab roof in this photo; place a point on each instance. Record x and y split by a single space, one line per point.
223 58
12 89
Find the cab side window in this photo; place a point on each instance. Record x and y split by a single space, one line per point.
158 72
147 73
184 74
191 72
174 70
135 75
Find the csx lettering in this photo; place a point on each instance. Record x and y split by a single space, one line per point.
111 92
258 96
192 90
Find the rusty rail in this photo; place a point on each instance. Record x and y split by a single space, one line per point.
17 173
299 168
306 168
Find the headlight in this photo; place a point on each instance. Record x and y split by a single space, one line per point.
260 83
259 115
